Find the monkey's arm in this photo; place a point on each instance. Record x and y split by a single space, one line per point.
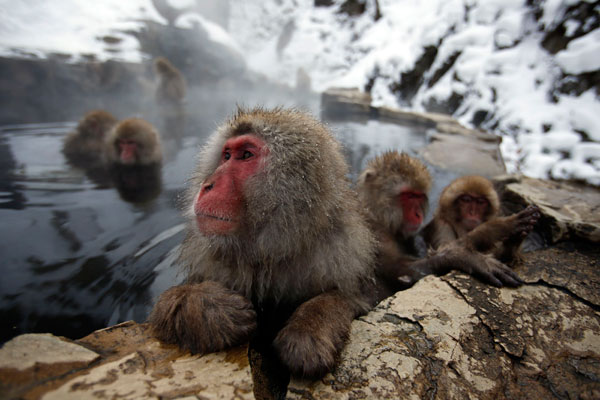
202 317
455 257
313 337
511 230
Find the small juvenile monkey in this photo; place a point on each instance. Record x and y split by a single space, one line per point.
171 87
393 189
84 147
276 247
468 210
133 141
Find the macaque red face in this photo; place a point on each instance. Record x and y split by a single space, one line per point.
472 209
219 205
413 205
127 150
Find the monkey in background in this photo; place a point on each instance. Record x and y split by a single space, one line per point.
133 141
276 247
468 212
393 190
171 87
84 147
133 156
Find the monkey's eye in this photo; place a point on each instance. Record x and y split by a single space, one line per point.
465 199
226 155
247 155
481 200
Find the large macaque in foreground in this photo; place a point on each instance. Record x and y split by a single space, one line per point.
133 141
393 189
84 147
468 212
276 248
171 87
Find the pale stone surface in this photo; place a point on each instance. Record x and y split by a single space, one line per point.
210 376
27 350
444 339
571 209
466 155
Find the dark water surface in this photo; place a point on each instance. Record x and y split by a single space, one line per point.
76 255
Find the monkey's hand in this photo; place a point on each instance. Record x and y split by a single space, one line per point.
203 317
525 221
494 272
314 336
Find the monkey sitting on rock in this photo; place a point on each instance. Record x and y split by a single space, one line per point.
276 249
393 190
468 213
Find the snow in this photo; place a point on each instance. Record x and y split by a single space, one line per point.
581 55
73 27
501 66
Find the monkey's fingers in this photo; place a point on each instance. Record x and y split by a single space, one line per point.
503 273
496 273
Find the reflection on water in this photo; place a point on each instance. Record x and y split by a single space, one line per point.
78 255
75 255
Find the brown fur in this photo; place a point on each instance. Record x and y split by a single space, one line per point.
141 132
172 87
211 316
380 184
84 147
500 236
397 266
303 243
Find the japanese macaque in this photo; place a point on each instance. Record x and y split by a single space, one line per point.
171 86
276 249
393 189
468 210
133 141
84 147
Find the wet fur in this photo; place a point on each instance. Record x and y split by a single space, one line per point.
84 147
149 150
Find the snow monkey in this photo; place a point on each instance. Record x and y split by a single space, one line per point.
393 190
133 141
85 146
276 246
468 210
171 88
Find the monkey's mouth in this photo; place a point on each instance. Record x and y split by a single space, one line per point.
210 224
214 217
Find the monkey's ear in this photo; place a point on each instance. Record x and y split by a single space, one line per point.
369 175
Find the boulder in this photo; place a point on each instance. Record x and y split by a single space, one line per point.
570 209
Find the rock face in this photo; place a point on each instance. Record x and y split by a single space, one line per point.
128 364
454 337
570 209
